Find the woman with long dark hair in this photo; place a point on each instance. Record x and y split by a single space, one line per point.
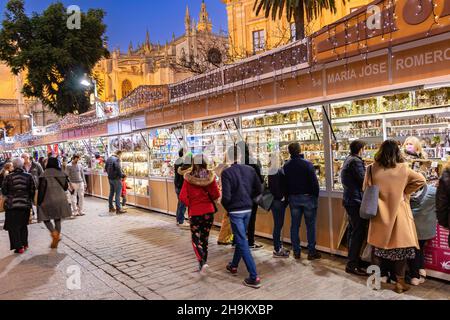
392 232
198 193
52 199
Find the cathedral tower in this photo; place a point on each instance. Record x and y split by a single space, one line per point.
204 23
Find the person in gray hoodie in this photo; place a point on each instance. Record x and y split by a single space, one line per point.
423 206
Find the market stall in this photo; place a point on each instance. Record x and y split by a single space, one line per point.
341 84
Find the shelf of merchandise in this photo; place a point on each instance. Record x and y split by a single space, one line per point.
425 126
394 114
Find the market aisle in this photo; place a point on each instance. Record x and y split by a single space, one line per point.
144 255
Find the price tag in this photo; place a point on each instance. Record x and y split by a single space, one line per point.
434 164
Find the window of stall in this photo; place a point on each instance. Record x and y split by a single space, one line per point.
126 145
269 135
113 144
410 113
164 144
212 138
99 147
141 164
352 120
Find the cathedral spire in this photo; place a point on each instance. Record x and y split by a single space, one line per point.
147 45
187 21
130 48
147 38
204 23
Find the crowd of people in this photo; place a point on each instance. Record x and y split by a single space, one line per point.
407 213
48 191
408 208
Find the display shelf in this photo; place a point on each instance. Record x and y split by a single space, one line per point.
428 122
425 125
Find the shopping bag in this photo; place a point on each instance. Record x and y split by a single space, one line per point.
369 204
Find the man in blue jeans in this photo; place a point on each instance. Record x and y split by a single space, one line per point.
182 165
114 170
240 185
302 187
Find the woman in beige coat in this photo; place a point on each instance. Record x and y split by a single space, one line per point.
392 232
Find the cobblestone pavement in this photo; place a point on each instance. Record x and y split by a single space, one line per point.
144 255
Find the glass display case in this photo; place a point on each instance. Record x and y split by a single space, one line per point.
423 114
270 134
212 138
135 162
82 148
164 145
141 187
99 148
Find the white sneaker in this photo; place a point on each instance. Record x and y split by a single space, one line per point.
204 269
184 225
416 281
423 273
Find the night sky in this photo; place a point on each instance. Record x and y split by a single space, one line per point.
129 19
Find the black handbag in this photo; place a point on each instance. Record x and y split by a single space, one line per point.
265 199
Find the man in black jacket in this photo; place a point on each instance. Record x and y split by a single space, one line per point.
114 170
302 187
352 177
179 167
240 185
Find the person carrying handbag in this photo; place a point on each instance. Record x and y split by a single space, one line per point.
199 193
52 199
392 232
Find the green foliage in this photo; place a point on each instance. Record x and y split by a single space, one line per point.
54 57
295 10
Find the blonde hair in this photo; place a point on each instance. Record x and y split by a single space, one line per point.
417 145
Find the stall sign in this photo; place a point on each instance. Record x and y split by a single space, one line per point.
107 110
9 140
381 24
39 131
437 252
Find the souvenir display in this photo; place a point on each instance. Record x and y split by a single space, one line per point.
400 116
271 140
164 145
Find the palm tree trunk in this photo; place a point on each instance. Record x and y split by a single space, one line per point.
299 18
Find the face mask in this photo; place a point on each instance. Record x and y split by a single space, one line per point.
410 149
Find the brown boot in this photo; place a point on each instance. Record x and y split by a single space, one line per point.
55 239
120 211
401 285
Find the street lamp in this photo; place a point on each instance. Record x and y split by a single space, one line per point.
87 82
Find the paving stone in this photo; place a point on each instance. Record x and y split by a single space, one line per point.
144 255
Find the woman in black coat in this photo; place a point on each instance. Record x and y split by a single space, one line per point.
19 189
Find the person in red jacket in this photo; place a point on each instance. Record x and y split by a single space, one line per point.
199 192
124 190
